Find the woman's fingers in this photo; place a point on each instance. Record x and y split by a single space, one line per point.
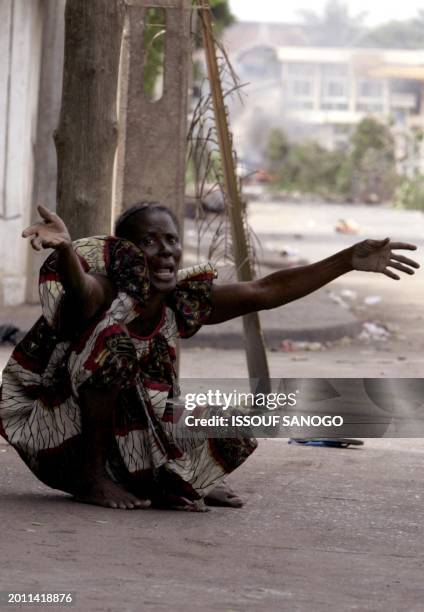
403 245
45 213
391 274
31 230
36 243
401 267
405 260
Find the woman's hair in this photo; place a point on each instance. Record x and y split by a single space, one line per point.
125 222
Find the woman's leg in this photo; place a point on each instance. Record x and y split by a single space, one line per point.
97 417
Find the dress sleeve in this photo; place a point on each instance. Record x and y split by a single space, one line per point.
191 300
120 260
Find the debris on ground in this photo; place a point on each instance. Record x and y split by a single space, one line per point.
290 346
338 299
346 298
372 300
348 294
343 342
288 251
327 442
374 331
347 226
292 256
370 331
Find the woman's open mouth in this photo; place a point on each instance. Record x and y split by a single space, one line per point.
164 273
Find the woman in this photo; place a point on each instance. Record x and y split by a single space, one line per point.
86 393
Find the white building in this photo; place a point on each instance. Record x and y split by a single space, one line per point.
322 93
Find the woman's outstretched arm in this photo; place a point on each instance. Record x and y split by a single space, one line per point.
86 293
234 300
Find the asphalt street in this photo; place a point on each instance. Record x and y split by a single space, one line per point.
322 529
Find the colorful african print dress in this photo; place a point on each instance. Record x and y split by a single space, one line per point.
152 453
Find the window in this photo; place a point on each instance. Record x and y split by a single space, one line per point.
302 88
300 69
370 96
370 89
299 85
334 87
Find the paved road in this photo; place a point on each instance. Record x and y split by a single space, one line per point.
309 229
323 529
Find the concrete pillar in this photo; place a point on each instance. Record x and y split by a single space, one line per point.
421 105
317 87
20 48
353 89
151 158
386 98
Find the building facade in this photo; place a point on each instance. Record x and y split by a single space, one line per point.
322 94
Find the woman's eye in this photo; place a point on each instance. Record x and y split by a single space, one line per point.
173 240
147 241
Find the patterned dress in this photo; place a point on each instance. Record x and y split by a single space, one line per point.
153 454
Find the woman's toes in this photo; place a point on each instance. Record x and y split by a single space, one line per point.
223 496
235 501
142 503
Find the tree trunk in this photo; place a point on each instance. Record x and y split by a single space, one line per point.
45 169
153 141
86 139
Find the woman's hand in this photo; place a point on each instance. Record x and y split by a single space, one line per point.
50 233
284 286
378 256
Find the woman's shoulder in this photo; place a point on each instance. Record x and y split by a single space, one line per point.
100 251
199 272
118 260
94 253
191 300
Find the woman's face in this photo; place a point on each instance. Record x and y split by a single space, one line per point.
155 233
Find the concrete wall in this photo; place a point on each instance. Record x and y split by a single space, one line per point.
20 47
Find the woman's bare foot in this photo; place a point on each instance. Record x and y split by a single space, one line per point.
223 496
102 491
175 502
